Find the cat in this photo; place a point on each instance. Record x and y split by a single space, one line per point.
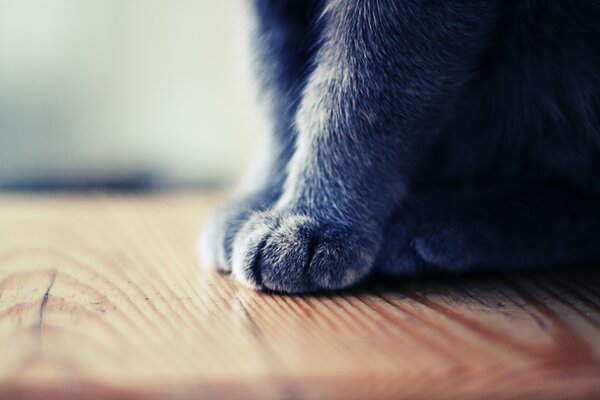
411 138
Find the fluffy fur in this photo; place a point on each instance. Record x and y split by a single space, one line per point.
411 137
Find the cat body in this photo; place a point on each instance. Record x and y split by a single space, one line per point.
410 137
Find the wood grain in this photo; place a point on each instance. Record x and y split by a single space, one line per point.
101 296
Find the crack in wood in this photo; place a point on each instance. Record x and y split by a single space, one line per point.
43 307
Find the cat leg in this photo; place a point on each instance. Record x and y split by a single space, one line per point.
386 76
454 233
282 40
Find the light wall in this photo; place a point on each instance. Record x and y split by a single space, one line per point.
95 89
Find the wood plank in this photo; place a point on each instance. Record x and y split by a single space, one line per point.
101 296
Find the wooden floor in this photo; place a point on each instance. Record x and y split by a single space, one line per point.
101 296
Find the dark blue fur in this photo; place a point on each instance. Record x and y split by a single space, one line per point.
413 137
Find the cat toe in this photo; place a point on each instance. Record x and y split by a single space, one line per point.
215 243
212 244
291 252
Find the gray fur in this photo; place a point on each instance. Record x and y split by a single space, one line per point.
384 111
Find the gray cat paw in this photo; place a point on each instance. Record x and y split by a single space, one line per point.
294 252
431 249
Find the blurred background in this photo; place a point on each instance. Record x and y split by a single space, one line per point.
122 93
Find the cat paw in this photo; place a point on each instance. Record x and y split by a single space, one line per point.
430 250
216 239
294 252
